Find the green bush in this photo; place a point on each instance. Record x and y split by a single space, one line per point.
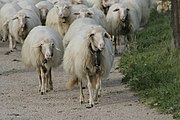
153 67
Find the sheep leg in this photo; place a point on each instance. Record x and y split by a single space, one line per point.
4 36
10 43
89 84
44 80
81 93
49 81
100 88
14 44
97 87
40 80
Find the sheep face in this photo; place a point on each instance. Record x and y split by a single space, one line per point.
122 13
97 38
63 11
43 14
47 47
22 21
107 3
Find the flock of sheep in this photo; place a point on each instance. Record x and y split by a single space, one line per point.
76 33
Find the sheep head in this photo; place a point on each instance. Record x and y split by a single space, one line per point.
63 10
46 46
122 12
43 13
22 21
97 37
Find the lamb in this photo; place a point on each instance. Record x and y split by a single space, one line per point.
42 50
123 19
61 16
44 7
88 56
6 13
20 25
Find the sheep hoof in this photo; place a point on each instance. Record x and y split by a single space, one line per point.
90 106
81 102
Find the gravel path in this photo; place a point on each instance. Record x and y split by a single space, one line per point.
20 100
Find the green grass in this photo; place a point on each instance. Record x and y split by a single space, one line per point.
152 68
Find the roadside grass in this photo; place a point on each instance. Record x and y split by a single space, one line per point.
152 68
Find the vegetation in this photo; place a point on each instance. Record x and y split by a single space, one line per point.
152 68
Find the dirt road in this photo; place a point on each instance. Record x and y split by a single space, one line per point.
20 100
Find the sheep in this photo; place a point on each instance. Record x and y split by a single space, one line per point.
61 16
80 2
123 19
108 3
163 6
144 7
30 6
34 2
88 55
44 7
95 14
6 13
42 50
20 25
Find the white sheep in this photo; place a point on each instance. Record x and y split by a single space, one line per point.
123 19
29 5
6 13
42 50
30 1
95 14
144 7
44 7
80 2
61 16
97 4
88 56
20 25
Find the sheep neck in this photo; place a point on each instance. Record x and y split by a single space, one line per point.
126 28
96 57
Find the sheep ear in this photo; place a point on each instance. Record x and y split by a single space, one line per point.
38 44
90 14
27 17
115 10
107 35
91 35
55 2
58 49
76 13
14 18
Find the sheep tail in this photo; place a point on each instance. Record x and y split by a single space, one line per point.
72 82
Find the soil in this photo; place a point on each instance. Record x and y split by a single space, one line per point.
20 100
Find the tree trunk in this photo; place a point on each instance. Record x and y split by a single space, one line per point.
175 22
